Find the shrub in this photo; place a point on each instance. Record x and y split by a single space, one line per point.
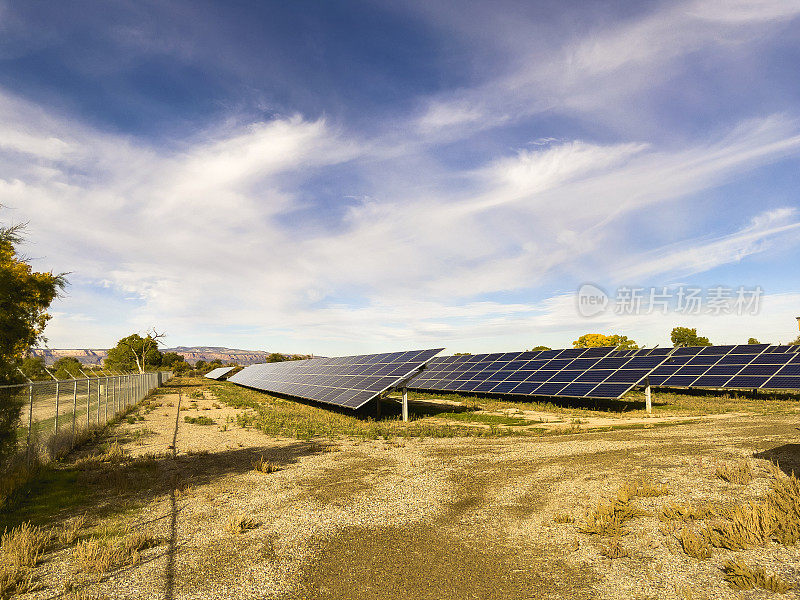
239 523
694 544
740 576
741 473
265 466
199 420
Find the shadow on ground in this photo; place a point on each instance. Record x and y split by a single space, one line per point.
103 489
787 457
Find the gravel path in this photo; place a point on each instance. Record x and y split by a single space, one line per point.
433 518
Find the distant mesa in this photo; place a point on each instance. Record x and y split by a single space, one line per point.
92 356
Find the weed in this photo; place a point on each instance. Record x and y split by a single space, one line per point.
105 553
239 523
199 420
613 549
68 532
24 544
740 473
677 512
740 576
265 466
564 518
694 544
755 523
609 518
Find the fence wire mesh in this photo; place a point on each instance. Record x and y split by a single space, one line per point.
56 415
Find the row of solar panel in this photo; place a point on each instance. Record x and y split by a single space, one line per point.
607 374
349 381
774 367
219 372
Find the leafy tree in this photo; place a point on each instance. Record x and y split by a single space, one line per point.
200 365
463 354
597 340
180 367
34 369
753 341
25 296
170 359
683 336
66 367
136 352
796 342
540 348
275 357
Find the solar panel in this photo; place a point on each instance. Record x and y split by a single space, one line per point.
348 381
573 372
745 366
219 372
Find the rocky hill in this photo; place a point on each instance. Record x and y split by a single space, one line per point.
191 353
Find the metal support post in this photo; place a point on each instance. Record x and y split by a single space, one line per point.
405 404
647 396
55 426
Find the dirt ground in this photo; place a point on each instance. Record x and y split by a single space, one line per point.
418 518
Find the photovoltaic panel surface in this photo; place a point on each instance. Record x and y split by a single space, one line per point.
219 372
572 372
744 366
349 381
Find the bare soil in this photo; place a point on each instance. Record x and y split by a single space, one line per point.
416 518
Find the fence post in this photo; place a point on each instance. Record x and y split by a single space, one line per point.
74 406
55 427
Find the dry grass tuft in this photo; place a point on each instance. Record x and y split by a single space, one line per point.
240 523
265 466
694 544
20 550
741 472
24 544
100 555
740 576
613 549
642 489
684 512
68 532
777 518
564 518
609 518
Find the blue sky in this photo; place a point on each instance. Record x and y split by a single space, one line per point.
369 176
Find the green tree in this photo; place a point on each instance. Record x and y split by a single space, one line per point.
67 367
135 352
796 342
275 357
463 354
540 348
25 296
170 359
684 336
33 367
597 340
753 341
200 365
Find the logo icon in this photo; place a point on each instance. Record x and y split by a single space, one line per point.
591 300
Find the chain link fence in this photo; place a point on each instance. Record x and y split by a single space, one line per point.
57 415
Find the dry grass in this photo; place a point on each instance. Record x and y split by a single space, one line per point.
103 554
740 576
68 531
740 473
564 518
20 550
240 523
613 549
610 516
684 512
265 466
694 544
777 518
